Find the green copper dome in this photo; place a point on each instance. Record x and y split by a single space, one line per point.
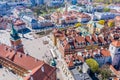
14 34
53 62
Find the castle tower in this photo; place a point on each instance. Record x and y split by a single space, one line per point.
15 40
114 49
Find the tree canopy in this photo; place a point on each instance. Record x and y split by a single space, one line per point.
78 25
110 23
94 66
105 72
102 22
106 10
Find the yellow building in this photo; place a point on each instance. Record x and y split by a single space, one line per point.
94 27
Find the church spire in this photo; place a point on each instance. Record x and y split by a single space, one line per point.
14 34
15 40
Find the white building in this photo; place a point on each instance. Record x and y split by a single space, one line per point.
30 22
20 11
105 15
43 23
114 49
103 57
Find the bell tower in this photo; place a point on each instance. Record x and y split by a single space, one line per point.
15 40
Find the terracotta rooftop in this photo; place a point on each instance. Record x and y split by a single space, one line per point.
27 62
105 52
116 43
19 22
117 18
79 39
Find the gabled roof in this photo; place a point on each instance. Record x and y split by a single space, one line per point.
105 52
79 39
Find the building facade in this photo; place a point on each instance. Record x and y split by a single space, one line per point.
114 48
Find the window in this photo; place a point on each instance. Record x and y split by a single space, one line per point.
119 50
111 48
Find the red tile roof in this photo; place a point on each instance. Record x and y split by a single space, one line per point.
88 39
27 62
19 22
117 18
71 64
105 52
37 73
101 40
94 38
116 43
79 39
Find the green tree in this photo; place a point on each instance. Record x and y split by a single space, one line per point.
102 22
78 25
94 66
106 10
105 72
110 23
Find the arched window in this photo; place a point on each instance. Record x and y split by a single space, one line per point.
119 50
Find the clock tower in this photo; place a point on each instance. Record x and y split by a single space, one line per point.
16 43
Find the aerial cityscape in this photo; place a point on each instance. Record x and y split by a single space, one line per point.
59 39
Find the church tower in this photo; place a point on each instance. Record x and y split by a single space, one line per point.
15 40
114 49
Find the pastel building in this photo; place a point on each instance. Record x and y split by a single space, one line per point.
105 15
71 41
30 22
43 23
4 8
20 11
53 3
117 21
68 17
102 56
114 49
94 27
